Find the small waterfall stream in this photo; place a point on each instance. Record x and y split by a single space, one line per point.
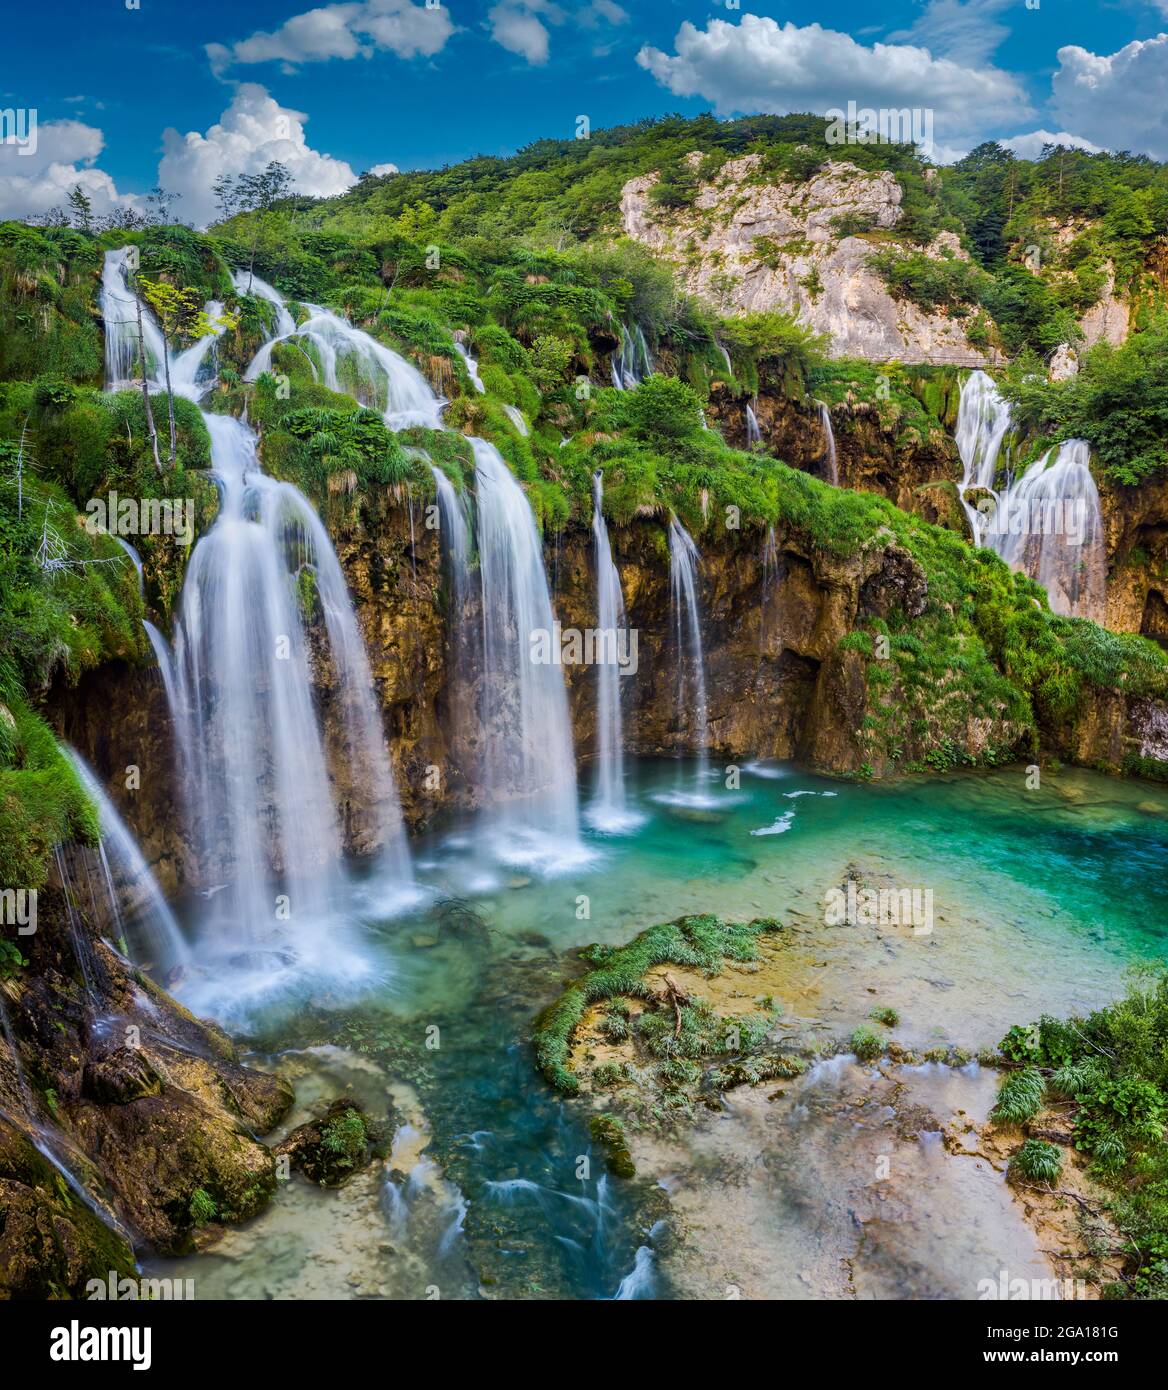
830 460
753 433
633 362
692 709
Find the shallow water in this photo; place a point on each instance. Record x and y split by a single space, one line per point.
1040 900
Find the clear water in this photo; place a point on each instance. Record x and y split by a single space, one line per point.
1040 904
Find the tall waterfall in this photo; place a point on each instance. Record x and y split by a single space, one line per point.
1049 522
830 461
687 626
529 765
609 810
265 825
753 433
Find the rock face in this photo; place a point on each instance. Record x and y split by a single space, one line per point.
748 246
1136 524
148 1107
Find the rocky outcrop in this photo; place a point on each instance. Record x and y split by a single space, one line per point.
747 245
148 1110
1136 524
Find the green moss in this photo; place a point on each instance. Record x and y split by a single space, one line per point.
609 1133
702 942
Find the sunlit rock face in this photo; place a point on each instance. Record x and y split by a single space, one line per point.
749 247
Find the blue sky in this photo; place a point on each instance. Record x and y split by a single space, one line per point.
391 81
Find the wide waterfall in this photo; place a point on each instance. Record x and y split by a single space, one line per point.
529 767
830 461
1049 522
609 809
347 359
692 709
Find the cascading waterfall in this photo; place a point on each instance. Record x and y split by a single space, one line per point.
609 810
753 433
634 362
122 369
265 825
830 461
983 420
770 573
684 560
529 765
1049 522
347 359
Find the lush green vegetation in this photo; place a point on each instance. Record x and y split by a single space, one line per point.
1110 1070
702 943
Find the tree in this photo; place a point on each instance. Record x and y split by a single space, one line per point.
257 194
82 209
160 200
179 311
226 195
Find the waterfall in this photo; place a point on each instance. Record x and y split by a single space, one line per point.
634 362
1049 522
264 822
515 415
524 708
187 366
830 462
253 285
983 420
753 433
726 358
687 626
609 811
127 878
472 367
770 573
121 327
350 361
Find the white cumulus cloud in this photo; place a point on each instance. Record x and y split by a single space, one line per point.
759 65
1117 99
254 130
380 170
59 155
1029 146
343 31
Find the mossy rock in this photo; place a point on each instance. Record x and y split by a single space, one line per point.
329 1150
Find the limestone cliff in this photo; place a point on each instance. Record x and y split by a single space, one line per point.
747 245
